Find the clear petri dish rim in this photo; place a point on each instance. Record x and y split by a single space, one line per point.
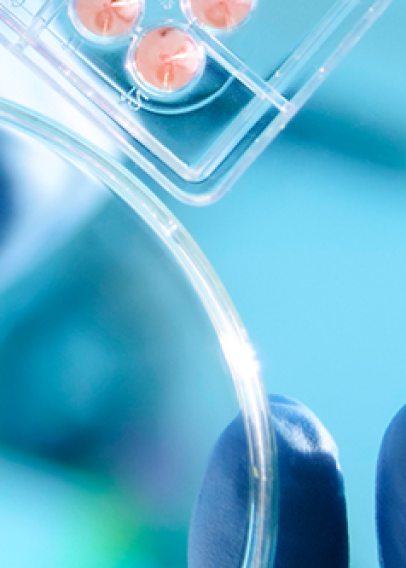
232 336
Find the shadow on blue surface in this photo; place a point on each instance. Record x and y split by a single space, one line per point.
350 135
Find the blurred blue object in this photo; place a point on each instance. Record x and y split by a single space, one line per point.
110 366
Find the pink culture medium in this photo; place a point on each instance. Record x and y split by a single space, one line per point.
108 18
167 58
220 14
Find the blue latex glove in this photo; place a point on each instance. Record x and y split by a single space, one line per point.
391 494
312 510
312 521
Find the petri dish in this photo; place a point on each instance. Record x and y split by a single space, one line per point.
122 361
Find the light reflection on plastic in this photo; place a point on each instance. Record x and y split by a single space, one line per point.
240 356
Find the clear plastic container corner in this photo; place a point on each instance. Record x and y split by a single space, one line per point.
195 141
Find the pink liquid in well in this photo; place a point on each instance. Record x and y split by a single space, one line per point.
220 14
167 58
108 18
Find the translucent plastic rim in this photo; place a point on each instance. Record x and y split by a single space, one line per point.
234 342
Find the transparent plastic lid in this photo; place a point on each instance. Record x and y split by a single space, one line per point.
122 360
191 91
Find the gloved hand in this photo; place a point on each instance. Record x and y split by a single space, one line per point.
391 494
312 511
